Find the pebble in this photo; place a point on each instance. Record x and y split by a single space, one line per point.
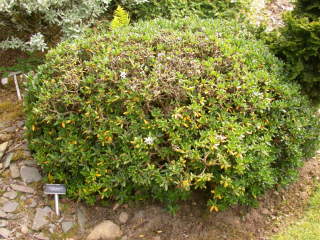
3 223
33 203
41 218
3 147
105 230
30 174
81 217
9 130
10 206
66 226
123 217
20 124
11 195
30 163
5 233
24 229
14 170
7 160
21 188
41 236
3 214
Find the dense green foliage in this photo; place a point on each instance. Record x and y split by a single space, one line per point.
164 108
298 43
181 8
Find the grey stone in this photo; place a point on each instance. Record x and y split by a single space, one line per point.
52 228
12 216
3 148
105 230
7 160
4 233
18 235
30 174
3 124
20 124
3 214
30 163
66 226
14 170
4 137
3 223
33 203
21 188
11 195
123 217
9 130
24 229
82 218
41 236
10 206
41 218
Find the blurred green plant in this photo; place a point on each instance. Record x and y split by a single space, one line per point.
298 44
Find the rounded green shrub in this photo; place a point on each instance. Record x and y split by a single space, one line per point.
166 108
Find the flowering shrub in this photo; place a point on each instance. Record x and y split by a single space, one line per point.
164 108
298 44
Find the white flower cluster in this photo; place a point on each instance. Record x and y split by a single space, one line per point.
72 17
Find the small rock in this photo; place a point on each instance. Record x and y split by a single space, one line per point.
3 214
265 211
66 226
3 223
41 236
3 148
14 170
30 163
4 81
20 124
41 218
4 137
124 238
10 206
11 216
24 229
7 161
9 130
5 233
18 235
21 188
30 174
123 217
105 230
52 228
32 203
11 195
81 217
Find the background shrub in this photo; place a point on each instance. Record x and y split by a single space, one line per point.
164 108
298 44
181 8
35 25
